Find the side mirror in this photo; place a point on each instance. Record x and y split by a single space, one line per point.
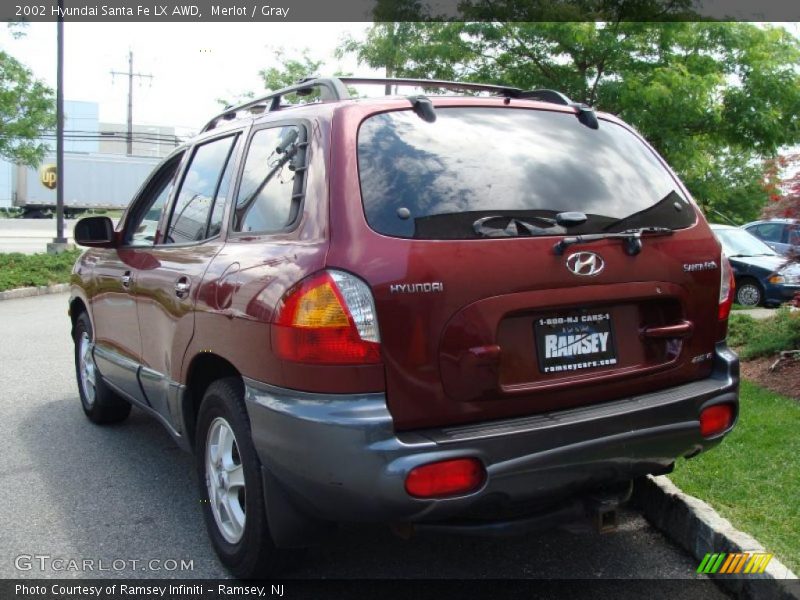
97 232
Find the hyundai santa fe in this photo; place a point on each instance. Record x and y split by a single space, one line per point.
481 313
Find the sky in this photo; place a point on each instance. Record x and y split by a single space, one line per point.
192 64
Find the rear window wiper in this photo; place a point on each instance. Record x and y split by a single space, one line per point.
632 239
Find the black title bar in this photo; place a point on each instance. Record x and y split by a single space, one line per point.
400 10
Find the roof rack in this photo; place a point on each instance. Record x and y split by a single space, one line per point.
331 90
334 89
500 90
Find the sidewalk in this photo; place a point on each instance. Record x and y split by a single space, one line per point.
30 236
756 313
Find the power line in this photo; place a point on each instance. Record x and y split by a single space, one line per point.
108 136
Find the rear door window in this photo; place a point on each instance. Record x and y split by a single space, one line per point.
196 214
450 178
770 232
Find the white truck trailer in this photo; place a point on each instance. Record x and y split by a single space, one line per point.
91 181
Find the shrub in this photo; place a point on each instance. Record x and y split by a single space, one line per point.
765 337
23 270
739 329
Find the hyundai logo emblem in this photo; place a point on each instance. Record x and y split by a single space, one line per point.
585 263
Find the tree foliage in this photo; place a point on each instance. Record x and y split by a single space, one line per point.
715 99
291 70
27 109
782 184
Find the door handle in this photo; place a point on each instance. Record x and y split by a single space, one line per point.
126 279
182 287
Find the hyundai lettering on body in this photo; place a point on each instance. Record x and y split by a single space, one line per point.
425 287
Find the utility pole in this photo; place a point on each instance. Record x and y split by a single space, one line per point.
59 243
130 74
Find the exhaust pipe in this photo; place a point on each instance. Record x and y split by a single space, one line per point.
602 506
605 519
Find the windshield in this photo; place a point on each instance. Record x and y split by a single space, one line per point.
442 180
738 242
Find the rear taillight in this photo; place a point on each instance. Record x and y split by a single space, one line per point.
328 318
716 419
727 288
446 478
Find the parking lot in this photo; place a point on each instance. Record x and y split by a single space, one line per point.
30 236
73 490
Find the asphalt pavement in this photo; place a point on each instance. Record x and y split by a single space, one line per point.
72 490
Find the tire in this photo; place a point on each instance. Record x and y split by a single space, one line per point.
100 403
236 518
749 293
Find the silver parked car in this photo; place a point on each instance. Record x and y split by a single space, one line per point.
782 235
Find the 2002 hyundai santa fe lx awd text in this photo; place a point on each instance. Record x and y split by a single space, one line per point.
475 313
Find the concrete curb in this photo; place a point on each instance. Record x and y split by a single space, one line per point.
696 526
27 292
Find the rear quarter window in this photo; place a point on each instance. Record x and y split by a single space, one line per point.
434 180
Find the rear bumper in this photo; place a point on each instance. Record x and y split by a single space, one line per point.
338 458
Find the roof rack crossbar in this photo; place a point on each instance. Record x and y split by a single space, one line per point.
545 95
331 90
434 83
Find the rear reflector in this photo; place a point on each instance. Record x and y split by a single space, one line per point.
716 419
446 478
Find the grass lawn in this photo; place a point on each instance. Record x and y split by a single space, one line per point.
753 477
24 270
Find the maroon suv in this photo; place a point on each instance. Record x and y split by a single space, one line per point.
467 313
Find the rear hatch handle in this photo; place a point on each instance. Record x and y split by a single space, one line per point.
678 330
482 356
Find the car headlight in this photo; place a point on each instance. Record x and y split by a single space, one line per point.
786 276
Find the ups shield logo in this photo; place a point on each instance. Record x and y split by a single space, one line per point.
48 176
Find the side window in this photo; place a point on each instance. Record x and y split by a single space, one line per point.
770 232
793 236
143 222
271 189
215 221
195 205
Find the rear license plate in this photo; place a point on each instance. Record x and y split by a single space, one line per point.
575 342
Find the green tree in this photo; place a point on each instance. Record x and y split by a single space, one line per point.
782 183
27 109
290 71
715 99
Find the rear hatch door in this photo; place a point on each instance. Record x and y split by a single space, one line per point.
481 316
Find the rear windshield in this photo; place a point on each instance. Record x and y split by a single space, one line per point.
504 172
